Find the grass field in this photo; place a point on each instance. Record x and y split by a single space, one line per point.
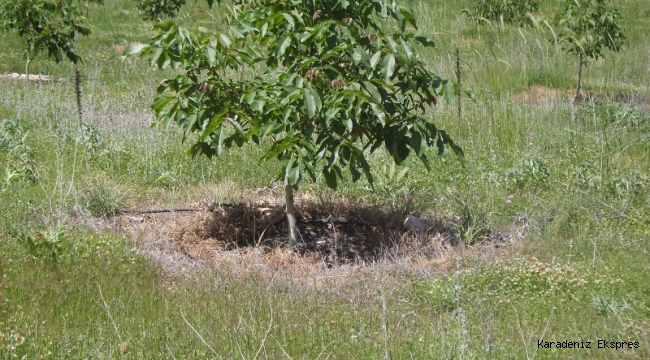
552 213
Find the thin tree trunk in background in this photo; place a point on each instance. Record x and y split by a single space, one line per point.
29 60
79 95
291 213
459 92
577 98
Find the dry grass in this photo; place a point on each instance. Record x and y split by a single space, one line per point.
543 95
344 244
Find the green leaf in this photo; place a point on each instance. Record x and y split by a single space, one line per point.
392 44
401 174
293 173
211 55
416 142
334 156
375 59
354 170
389 66
282 44
450 91
153 60
160 103
165 25
409 18
402 150
331 113
407 48
249 98
215 121
278 148
238 31
356 56
372 89
330 178
426 42
308 161
425 161
289 19
134 49
221 137
237 126
225 40
349 125
460 155
266 129
286 113
310 102
379 113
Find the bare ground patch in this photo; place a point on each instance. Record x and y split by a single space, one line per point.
342 241
32 78
543 95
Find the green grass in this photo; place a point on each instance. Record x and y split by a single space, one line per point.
578 178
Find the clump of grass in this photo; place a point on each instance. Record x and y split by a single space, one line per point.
226 192
104 197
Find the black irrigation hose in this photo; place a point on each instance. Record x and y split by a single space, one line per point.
335 222
157 211
303 221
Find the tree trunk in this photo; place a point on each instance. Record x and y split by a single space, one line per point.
291 213
577 98
29 60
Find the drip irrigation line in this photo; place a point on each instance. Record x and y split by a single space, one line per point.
157 211
302 221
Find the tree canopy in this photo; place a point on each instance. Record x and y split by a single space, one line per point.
327 82
46 25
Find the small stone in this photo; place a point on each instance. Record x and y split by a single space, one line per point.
272 215
413 223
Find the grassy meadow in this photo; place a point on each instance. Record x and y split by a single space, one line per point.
567 186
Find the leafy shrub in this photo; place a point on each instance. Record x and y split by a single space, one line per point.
604 113
606 306
587 28
504 11
47 26
632 183
91 138
159 9
165 178
531 172
16 156
587 176
45 243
